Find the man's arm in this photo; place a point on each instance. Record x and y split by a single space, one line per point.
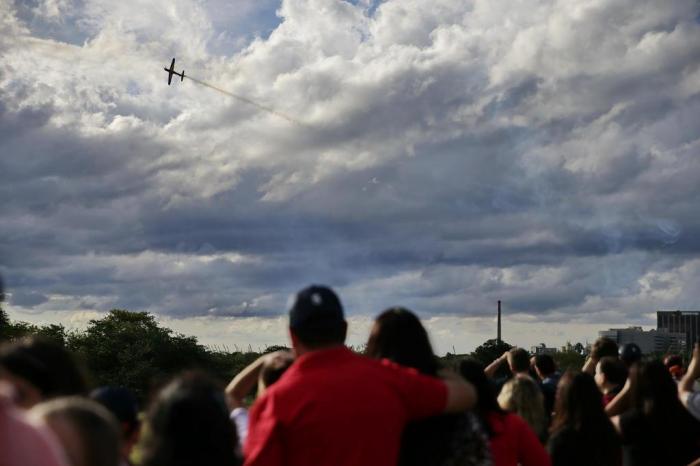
461 395
622 400
685 387
491 369
243 383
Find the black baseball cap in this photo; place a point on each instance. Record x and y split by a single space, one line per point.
630 353
120 401
316 307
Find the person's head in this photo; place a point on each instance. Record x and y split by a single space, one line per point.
123 405
610 373
578 403
602 347
518 361
272 369
40 369
188 423
522 396
654 389
630 353
472 371
544 365
316 320
86 430
674 363
398 335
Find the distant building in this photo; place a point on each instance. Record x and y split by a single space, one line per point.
685 322
649 341
542 349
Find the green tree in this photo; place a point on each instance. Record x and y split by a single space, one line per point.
130 349
10 330
490 350
569 359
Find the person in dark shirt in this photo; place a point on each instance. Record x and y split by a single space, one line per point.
581 432
658 430
188 424
546 370
454 439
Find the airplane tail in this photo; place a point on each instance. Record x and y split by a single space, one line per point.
182 76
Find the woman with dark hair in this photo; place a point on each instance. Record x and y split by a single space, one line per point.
658 429
512 440
581 432
39 369
189 425
399 336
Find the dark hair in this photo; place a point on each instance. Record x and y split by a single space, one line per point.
94 425
473 371
614 370
579 408
519 360
272 371
122 403
656 394
189 424
579 403
604 346
545 364
655 397
399 336
45 364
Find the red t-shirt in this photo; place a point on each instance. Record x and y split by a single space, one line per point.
514 442
335 408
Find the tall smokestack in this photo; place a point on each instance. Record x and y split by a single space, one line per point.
498 338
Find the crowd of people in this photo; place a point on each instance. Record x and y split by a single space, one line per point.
323 404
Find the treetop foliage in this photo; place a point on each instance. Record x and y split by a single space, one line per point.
131 349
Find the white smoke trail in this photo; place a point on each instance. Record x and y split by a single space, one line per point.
248 101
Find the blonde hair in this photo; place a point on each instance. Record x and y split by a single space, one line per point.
522 396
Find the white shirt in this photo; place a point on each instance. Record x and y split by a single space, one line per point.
239 416
693 404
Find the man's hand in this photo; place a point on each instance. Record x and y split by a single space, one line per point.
491 369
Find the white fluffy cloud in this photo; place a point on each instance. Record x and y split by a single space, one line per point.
449 154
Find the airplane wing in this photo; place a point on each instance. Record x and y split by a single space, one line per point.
171 71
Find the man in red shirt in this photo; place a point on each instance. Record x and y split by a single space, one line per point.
335 408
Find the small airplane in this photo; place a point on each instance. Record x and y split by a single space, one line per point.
172 71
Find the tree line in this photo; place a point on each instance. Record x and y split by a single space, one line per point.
131 349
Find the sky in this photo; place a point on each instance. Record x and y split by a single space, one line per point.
443 155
